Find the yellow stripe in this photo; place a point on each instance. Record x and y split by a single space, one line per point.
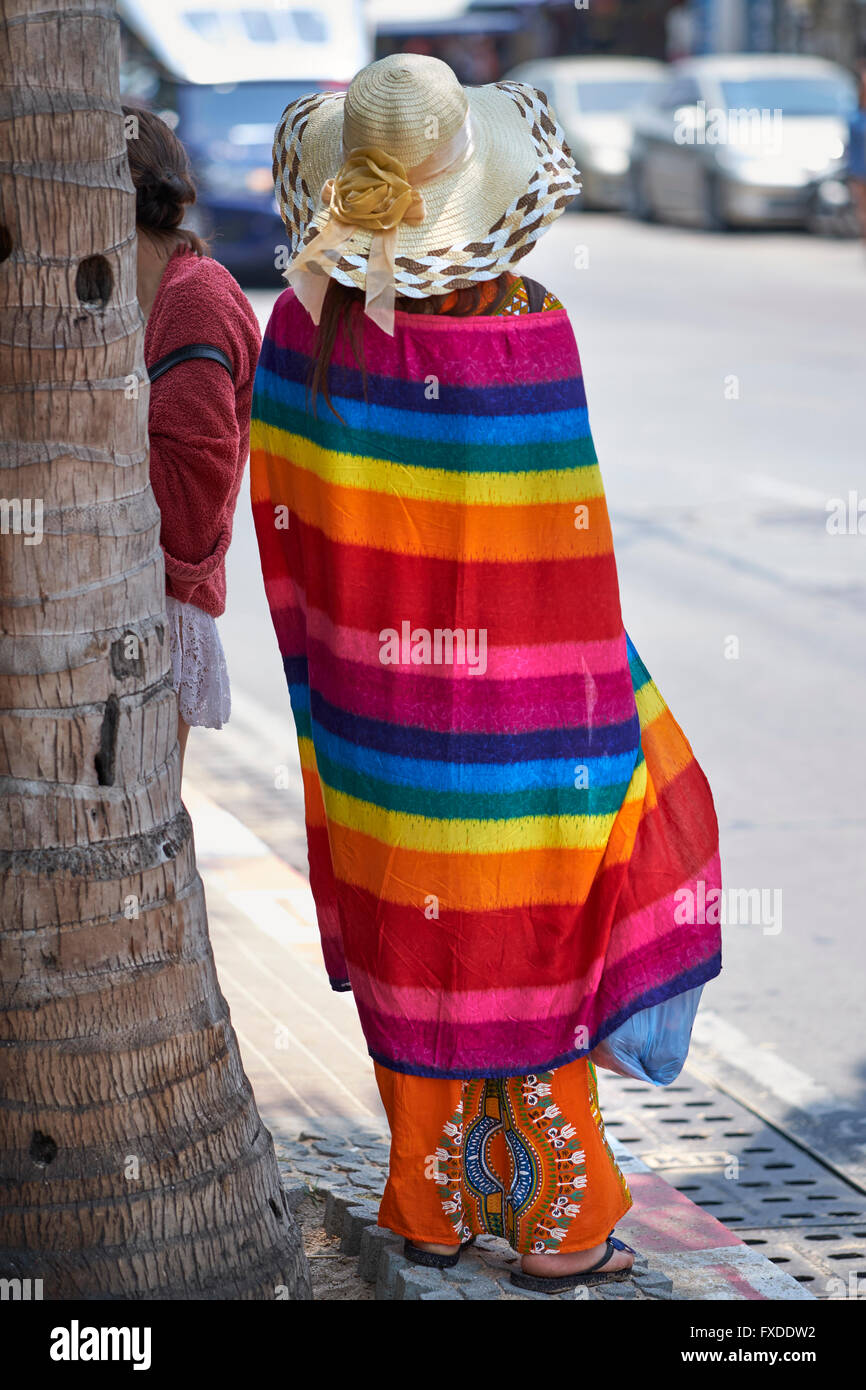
444 530
649 704
433 484
435 836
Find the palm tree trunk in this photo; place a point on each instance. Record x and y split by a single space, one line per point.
133 1163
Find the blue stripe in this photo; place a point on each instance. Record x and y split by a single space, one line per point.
435 423
640 676
471 777
577 744
521 398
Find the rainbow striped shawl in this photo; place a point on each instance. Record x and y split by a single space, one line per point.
511 844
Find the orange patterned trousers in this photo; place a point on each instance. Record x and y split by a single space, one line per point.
522 1157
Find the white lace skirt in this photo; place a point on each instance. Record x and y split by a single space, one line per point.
198 665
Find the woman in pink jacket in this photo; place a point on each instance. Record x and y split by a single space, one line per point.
201 345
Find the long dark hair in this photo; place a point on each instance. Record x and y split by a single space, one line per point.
164 186
343 313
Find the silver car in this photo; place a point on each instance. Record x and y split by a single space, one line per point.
594 100
741 140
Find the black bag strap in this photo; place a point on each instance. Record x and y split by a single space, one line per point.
536 294
185 354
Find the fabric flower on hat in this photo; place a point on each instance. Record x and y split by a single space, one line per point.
372 191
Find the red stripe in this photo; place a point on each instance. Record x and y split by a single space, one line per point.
518 602
540 945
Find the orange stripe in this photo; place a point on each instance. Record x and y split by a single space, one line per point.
481 882
478 882
448 530
667 751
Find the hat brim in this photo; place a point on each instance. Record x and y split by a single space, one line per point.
481 217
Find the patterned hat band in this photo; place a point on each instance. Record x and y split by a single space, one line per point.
365 204
373 191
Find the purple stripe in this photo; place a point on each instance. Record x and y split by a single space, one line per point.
575 700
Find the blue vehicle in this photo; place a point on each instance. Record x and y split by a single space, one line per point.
221 77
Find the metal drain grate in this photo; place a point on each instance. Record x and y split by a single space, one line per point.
830 1261
748 1176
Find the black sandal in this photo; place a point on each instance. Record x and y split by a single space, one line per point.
429 1258
537 1283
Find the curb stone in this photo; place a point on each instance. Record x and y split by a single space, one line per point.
653 1283
416 1280
355 1220
374 1241
391 1263
478 1287
337 1203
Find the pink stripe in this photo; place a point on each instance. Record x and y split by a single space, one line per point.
644 928
489 1047
536 347
477 704
503 663
474 1005
573 998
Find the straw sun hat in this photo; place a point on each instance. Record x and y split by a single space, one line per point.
408 183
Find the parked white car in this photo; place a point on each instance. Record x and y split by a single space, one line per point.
595 100
741 140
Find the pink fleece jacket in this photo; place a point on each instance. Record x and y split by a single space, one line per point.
199 422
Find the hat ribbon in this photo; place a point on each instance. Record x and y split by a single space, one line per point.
373 191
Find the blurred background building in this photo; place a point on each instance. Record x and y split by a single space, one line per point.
620 73
498 33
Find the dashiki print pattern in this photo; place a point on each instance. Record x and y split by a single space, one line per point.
510 840
517 300
521 1158
508 294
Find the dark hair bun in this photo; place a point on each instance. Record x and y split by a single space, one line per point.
160 171
160 199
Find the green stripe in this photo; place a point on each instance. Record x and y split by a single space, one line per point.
330 434
301 712
640 676
454 805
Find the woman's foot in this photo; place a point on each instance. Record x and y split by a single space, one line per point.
432 1255
576 1262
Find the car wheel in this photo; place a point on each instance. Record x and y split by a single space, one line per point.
713 216
640 203
839 220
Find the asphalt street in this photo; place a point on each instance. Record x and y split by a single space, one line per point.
726 392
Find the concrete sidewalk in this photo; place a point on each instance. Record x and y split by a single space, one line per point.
305 1055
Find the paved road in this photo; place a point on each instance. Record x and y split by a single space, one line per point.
725 383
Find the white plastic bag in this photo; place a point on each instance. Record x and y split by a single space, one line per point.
653 1044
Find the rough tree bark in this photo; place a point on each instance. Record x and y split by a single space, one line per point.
133 1162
